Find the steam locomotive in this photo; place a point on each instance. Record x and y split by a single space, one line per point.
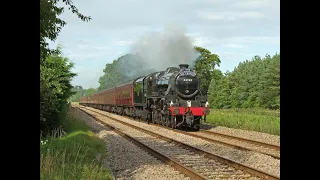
170 98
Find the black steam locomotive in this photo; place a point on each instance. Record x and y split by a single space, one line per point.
171 98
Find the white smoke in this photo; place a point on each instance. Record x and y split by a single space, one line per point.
160 50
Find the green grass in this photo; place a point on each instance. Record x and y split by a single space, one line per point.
74 154
261 120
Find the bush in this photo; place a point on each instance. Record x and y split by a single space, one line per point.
55 89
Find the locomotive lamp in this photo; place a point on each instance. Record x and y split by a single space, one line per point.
206 110
171 103
207 104
188 103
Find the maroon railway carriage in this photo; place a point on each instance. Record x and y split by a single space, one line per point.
124 98
102 100
83 100
118 99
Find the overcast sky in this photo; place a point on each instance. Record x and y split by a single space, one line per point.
235 30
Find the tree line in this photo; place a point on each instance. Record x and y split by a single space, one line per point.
254 83
79 92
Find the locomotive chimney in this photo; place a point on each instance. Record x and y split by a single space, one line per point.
183 66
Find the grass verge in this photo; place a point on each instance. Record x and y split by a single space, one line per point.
261 120
74 154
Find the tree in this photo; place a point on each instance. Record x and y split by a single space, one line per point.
213 90
51 25
89 92
124 68
110 77
270 83
204 67
254 83
79 92
55 89
55 74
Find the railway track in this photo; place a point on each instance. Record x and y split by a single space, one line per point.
228 140
262 147
268 145
236 142
195 163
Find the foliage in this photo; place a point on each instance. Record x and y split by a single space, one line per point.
51 25
55 74
55 89
89 92
253 83
260 120
72 155
78 93
124 68
204 67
